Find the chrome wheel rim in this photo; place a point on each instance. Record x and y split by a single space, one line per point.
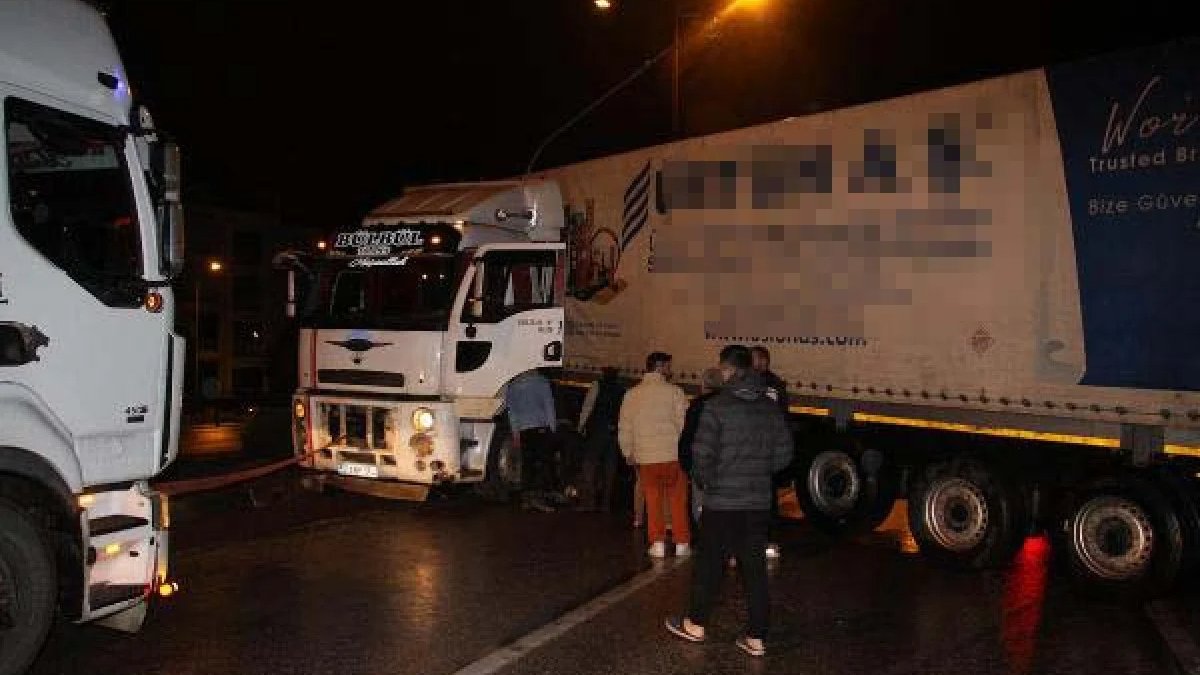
833 483
1113 537
957 513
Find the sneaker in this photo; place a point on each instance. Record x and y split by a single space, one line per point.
658 549
773 552
677 627
683 550
756 648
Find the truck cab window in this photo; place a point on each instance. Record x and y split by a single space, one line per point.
515 282
72 199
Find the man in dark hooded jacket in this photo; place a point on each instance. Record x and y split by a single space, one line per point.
776 391
741 441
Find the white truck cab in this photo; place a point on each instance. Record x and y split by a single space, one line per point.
413 324
90 236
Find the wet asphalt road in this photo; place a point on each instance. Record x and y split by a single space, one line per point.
277 580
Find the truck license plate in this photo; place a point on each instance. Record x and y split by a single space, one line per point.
359 470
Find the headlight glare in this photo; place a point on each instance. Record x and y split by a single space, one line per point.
422 419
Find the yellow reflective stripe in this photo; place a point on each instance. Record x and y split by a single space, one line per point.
1000 432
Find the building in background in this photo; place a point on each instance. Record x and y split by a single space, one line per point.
231 306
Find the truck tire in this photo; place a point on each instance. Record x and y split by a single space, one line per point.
965 516
28 590
1181 491
1121 535
503 476
839 497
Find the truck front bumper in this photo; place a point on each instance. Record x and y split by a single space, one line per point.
127 544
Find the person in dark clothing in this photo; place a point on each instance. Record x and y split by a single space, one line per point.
777 391
601 456
776 386
710 384
741 441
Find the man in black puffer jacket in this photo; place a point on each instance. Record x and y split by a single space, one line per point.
741 441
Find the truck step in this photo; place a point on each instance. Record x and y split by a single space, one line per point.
109 524
103 595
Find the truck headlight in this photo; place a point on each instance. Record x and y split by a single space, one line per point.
422 419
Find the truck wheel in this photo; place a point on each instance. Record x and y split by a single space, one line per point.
839 497
27 591
503 468
1181 491
1122 536
964 516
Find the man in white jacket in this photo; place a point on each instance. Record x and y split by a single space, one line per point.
648 429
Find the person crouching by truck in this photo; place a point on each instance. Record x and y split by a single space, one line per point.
648 429
741 441
598 424
532 418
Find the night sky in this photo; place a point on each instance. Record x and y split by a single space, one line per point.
322 110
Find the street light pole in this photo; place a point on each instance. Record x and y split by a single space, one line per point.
646 65
213 266
676 48
196 343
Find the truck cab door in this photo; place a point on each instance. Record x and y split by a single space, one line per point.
508 318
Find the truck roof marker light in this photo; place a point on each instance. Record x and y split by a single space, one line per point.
168 588
154 302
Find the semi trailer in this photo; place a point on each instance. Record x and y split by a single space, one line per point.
982 297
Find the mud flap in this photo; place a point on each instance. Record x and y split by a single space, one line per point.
127 620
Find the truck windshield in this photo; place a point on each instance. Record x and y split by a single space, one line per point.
72 199
406 293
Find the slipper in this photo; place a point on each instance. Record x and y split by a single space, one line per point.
675 625
744 645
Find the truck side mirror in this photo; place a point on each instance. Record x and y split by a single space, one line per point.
291 261
173 236
290 311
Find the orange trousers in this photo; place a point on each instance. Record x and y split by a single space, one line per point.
665 485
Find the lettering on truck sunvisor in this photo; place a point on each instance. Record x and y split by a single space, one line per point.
397 241
1129 129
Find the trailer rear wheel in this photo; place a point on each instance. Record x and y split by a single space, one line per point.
1122 535
27 590
962 514
839 496
1181 491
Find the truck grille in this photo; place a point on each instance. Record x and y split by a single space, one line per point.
348 425
365 378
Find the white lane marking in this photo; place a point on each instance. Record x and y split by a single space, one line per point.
509 654
1176 635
